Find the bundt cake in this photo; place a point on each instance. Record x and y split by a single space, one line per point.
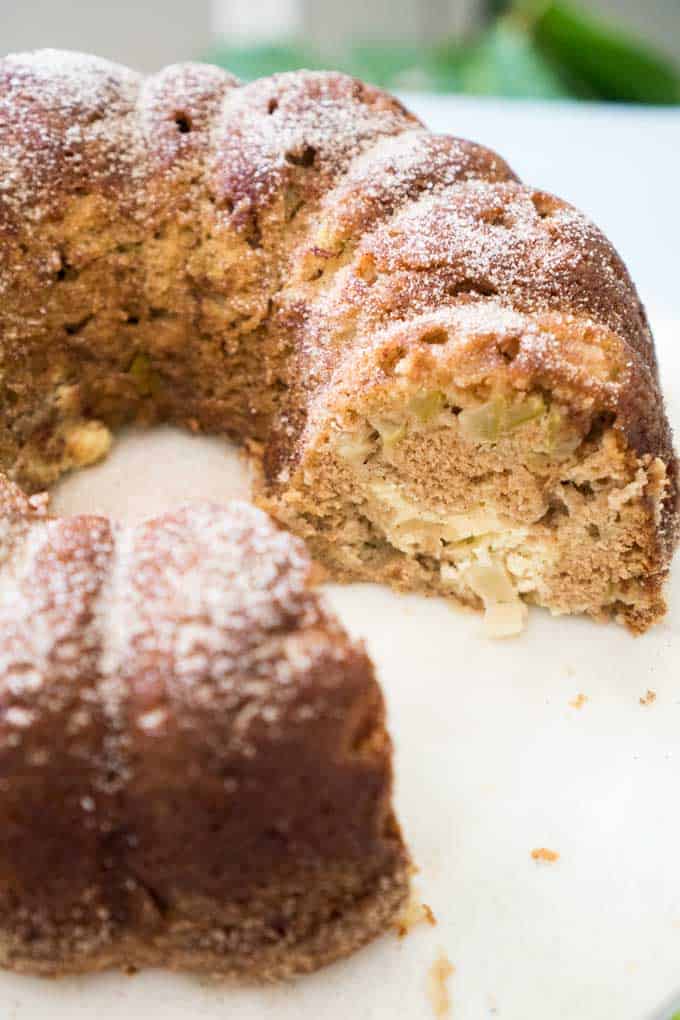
448 376
450 385
194 765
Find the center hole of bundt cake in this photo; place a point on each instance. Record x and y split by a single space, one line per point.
149 471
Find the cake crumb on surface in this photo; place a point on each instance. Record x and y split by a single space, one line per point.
542 853
579 701
414 913
437 985
648 698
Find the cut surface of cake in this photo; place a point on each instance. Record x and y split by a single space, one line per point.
195 768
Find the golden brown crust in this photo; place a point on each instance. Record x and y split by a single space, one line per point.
250 942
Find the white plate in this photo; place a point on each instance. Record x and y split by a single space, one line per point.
493 761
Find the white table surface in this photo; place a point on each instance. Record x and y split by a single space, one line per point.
492 758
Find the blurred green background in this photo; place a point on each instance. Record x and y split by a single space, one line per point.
538 50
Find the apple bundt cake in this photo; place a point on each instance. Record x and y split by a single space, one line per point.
450 385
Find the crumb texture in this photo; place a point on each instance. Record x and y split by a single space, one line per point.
440 973
544 854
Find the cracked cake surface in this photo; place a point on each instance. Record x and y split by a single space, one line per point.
449 384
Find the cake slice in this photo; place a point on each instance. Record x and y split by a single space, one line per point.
195 768
482 412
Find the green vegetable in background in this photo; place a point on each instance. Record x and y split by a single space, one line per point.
259 61
384 65
612 62
505 62
540 49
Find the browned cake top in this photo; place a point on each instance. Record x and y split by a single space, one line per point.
192 599
66 117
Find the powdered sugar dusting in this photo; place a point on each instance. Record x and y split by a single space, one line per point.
496 246
274 129
396 171
205 588
51 104
121 624
499 241
49 642
65 116
70 81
